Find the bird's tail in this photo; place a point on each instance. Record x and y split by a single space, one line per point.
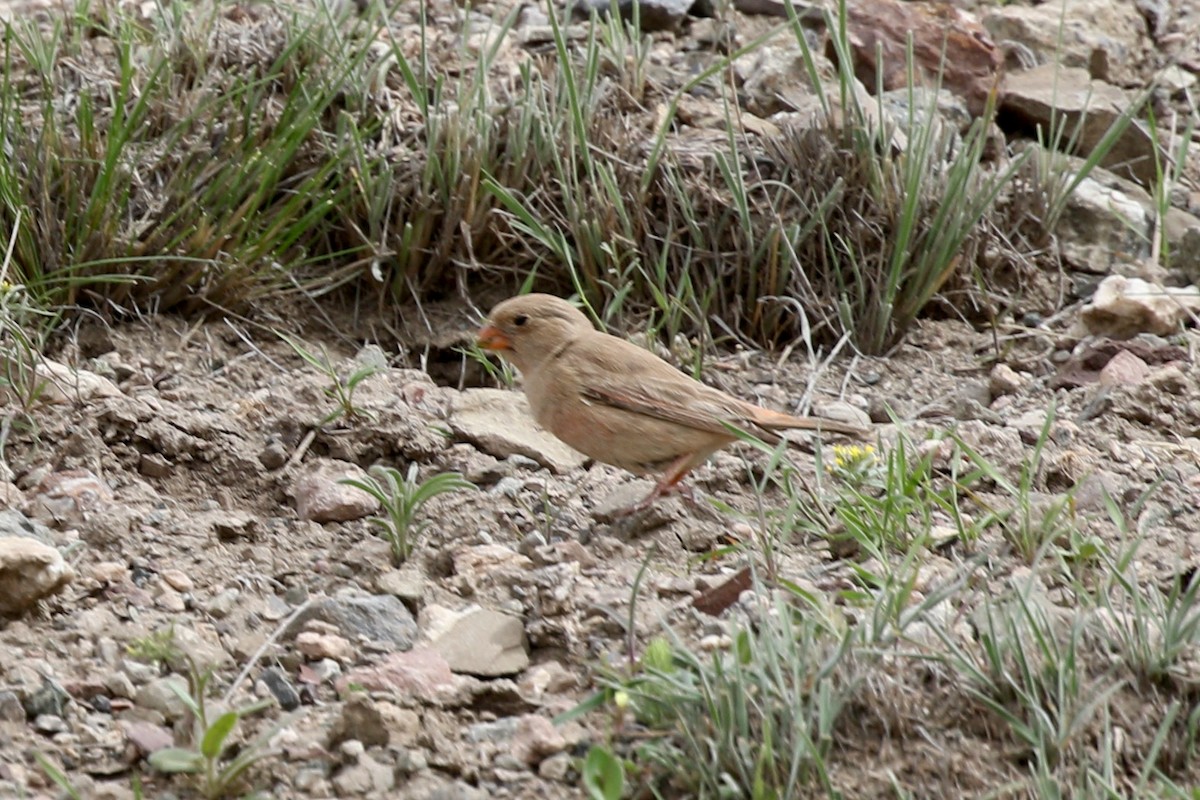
775 420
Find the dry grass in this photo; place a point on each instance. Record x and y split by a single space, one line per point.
210 159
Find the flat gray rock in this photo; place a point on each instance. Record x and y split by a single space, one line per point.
379 618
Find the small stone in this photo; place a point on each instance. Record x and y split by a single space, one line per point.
169 600
1003 380
421 673
410 760
281 688
325 645
530 543
220 606
571 550
403 724
178 580
295 595
118 684
276 608
49 724
360 720
407 584
1122 307
321 497
496 731
146 737
154 465
198 646
475 563
65 385
10 707
274 455
159 696
559 767
110 572
49 698
546 678
535 738
312 780
326 670
1124 369
66 498
231 527
367 776
840 411
382 619
616 504
500 423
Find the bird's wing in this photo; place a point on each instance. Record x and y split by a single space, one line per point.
625 376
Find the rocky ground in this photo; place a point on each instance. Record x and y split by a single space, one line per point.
176 485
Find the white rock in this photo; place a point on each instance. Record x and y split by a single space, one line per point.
501 423
29 571
1123 307
62 384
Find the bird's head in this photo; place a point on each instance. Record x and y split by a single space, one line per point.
530 328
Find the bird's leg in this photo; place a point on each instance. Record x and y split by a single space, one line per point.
668 484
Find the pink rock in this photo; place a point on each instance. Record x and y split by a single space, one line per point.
536 738
321 498
1124 369
421 673
146 737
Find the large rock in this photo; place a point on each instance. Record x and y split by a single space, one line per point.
29 572
1124 307
1105 38
1065 96
1103 228
945 41
501 423
479 641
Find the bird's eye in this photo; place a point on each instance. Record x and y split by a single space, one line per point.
520 320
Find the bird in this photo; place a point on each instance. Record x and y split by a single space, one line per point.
618 403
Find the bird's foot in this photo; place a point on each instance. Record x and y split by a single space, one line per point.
660 490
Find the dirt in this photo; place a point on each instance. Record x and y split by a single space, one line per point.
200 404
190 526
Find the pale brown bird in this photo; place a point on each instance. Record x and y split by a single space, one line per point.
617 402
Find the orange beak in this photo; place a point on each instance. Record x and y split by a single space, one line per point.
492 338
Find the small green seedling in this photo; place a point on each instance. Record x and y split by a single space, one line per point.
402 498
341 389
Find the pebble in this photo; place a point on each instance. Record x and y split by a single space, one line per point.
159 696
281 688
220 606
178 580
1003 380
49 723
325 645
